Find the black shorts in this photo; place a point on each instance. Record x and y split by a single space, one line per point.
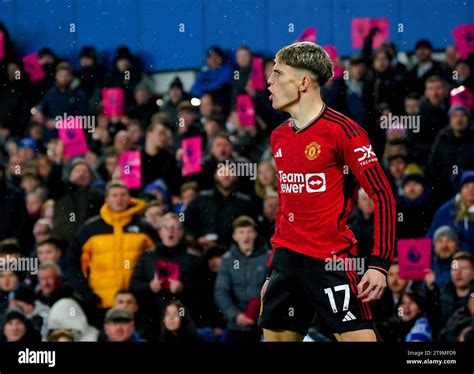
300 286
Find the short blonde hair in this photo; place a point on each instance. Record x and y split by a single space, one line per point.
307 56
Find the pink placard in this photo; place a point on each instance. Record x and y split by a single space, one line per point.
2 45
33 67
361 28
245 110
332 52
462 96
308 35
414 256
71 134
130 164
463 36
257 76
192 155
113 101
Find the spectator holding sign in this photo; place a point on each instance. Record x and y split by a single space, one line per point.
169 271
243 56
64 98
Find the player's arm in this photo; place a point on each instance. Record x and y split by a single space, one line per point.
359 156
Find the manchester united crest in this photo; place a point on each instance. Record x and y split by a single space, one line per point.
312 151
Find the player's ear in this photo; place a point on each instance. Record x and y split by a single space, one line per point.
305 82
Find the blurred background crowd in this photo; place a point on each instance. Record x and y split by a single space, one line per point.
183 258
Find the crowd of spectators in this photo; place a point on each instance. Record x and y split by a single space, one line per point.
183 258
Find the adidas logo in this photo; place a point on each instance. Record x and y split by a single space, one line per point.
348 317
278 153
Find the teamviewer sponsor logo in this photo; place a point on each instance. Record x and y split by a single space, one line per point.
300 182
316 182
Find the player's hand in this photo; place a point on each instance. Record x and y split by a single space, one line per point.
371 286
155 285
175 286
264 288
243 321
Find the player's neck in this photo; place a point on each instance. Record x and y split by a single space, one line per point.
308 108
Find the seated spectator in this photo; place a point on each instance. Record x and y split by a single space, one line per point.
76 200
243 57
18 329
9 249
60 336
102 256
413 324
67 314
63 97
266 182
424 68
433 117
411 104
397 164
157 160
42 230
90 73
236 293
456 212
464 75
459 325
347 95
119 326
176 95
451 150
456 293
415 207
125 73
266 221
177 325
210 215
136 133
158 190
153 212
48 250
420 332
188 127
126 299
212 127
144 106
210 321
396 285
445 245
51 287
23 298
9 281
188 192
361 222
208 109
168 271
216 79
221 149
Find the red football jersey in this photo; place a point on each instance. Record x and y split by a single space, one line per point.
315 167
